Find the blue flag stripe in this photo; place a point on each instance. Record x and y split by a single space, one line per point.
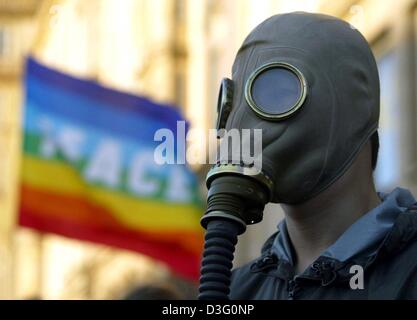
118 100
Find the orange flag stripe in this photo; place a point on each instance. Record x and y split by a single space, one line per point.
80 211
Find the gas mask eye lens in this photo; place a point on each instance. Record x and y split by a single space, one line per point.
276 90
224 103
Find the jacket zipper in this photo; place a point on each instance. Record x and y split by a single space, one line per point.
292 288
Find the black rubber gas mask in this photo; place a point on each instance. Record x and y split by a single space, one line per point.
310 83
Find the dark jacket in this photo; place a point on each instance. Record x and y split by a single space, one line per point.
383 243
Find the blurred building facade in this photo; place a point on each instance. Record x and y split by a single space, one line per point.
173 51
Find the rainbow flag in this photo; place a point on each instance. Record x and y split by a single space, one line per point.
88 170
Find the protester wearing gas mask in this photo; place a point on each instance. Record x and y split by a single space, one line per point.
310 82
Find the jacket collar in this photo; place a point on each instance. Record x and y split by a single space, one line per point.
378 233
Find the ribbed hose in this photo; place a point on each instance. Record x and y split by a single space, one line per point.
220 241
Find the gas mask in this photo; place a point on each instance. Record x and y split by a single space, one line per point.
310 83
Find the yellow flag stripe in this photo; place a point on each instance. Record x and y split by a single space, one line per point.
55 176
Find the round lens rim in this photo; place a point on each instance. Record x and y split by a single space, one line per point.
289 112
